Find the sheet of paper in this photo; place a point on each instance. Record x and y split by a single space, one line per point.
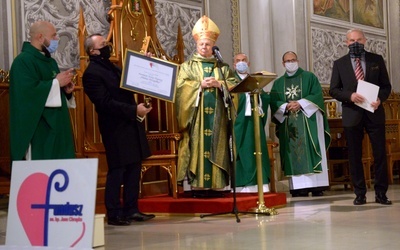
370 92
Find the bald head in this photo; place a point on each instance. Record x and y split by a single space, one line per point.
39 27
290 54
41 32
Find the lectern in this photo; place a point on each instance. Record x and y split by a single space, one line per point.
253 84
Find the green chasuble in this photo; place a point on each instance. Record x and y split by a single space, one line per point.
203 154
48 130
298 139
246 167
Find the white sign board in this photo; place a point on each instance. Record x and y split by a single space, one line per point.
52 203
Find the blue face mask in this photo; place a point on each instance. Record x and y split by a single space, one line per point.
242 67
53 46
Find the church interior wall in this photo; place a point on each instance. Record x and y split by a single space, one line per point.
328 34
394 41
318 39
5 34
266 29
220 12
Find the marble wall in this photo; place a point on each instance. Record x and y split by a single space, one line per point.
169 15
5 34
328 35
64 14
327 46
17 17
264 29
269 28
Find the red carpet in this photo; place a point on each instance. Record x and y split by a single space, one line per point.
189 205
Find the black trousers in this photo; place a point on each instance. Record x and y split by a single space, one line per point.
129 177
354 137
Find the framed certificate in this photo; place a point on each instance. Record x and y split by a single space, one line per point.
149 76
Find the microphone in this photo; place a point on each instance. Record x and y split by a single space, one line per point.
217 54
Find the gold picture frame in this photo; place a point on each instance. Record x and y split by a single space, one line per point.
149 76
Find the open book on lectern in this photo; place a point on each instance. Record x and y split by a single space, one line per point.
254 82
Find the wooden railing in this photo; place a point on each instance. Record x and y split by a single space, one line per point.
5 164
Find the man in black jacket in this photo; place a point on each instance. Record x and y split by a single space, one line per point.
359 64
123 134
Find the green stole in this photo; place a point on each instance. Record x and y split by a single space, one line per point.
209 100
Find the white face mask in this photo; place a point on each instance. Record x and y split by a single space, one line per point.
242 67
291 67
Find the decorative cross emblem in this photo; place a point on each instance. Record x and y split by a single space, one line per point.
292 92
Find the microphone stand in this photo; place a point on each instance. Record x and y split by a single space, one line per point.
228 105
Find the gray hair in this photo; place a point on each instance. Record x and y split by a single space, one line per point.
355 30
89 43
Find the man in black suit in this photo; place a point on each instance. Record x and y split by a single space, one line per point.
355 119
122 131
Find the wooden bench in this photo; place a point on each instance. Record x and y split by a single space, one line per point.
271 145
166 157
392 145
338 163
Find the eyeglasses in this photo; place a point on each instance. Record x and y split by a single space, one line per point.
105 44
290 61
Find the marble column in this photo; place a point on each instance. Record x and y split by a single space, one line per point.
6 35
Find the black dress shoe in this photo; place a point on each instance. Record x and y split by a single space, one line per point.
118 221
317 193
360 200
382 199
140 217
299 193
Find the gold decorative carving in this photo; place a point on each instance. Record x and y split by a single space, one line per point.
331 106
235 26
4 76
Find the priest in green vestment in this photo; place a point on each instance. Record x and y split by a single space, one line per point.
302 127
40 126
203 113
246 167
